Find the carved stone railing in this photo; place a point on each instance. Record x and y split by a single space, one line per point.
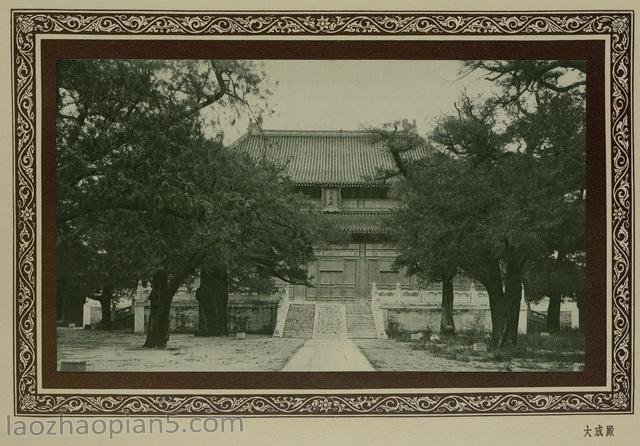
382 299
400 295
281 317
378 317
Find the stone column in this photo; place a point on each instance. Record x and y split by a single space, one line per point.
572 307
362 279
138 309
522 317
138 318
139 296
281 317
575 316
378 318
86 313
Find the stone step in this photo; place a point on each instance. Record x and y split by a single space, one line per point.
299 322
369 334
360 322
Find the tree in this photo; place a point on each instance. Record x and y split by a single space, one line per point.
111 114
490 201
97 259
430 247
533 166
444 226
520 80
546 99
544 103
449 206
279 229
426 248
556 277
135 150
556 132
512 191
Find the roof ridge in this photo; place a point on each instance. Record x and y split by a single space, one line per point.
284 132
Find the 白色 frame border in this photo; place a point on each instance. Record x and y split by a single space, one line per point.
27 24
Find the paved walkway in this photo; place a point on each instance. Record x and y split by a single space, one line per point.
328 355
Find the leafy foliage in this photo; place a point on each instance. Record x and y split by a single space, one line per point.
145 185
501 192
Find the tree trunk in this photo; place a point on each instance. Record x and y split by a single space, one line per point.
553 310
105 306
63 289
213 297
162 292
160 299
508 332
204 311
72 307
493 284
582 312
59 306
69 297
555 295
447 325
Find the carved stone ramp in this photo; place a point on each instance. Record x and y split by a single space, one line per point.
330 321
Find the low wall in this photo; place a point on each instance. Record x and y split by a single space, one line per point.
252 314
569 313
91 313
183 317
413 319
566 318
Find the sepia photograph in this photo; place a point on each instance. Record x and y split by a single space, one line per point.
222 215
322 214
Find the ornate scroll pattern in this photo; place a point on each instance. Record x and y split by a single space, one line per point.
29 23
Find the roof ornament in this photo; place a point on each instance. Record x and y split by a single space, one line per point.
253 128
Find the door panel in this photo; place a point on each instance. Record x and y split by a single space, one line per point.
336 280
350 272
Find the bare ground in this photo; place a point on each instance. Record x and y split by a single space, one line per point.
122 351
391 355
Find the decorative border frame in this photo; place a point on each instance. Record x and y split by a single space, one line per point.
26 24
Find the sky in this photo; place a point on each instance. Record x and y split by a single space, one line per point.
355 94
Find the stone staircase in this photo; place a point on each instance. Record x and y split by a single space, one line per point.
299 323
330 321
360 323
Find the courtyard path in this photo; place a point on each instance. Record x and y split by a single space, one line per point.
324 355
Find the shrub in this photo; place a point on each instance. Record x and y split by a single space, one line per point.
566 340
393 328
426 333
395 331
476 328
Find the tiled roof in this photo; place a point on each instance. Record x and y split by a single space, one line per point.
329 158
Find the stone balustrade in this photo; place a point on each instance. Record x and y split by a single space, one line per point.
469 307
422 297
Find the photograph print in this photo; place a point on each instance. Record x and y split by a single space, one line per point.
322 214
292 215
